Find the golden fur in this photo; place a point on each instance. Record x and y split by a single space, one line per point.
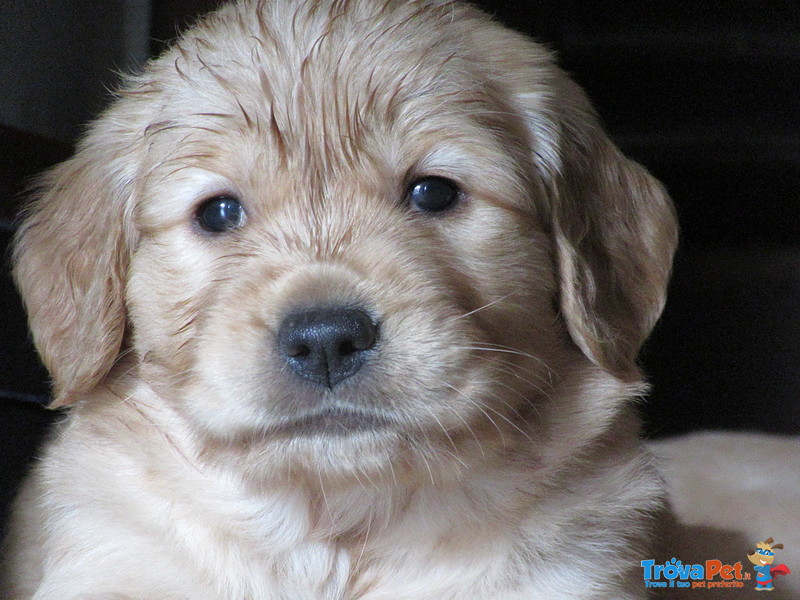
487 451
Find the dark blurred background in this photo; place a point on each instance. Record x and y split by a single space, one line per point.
706 95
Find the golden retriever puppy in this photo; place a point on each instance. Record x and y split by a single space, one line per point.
344 298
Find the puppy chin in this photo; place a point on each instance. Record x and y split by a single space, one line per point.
316 452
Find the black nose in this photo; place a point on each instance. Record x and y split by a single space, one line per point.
327 345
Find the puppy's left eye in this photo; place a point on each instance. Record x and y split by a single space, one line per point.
433 194
220 214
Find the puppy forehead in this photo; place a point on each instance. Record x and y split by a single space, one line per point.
300 51
321 85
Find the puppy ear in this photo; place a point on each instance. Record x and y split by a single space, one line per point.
613 224
71 254
615 232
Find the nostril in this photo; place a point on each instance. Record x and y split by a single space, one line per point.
327 345
298 351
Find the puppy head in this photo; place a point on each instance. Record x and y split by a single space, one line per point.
386 226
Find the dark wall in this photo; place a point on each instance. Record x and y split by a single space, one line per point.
58 57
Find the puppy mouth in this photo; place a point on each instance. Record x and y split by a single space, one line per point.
332 421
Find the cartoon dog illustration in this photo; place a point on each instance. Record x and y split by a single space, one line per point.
763 558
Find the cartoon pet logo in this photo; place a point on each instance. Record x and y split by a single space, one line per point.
765 570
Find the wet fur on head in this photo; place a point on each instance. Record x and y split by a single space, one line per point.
489 433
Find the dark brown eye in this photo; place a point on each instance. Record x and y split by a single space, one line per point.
220 214
433 194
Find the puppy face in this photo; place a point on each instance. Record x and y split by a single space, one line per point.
349 236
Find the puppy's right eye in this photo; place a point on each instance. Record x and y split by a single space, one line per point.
433 194
220 214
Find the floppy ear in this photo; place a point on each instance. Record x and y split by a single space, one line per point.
71 254
613 225
615 232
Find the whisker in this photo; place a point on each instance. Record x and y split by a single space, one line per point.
528 401
490 347
515 370
391 469
471 431
487 305
509 421
479 407
325 499
422 449
427 466
442 427
364 545
511 369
